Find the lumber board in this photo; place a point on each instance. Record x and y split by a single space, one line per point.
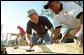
69 48
13 34
62 48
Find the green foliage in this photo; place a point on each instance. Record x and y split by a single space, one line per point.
3 42
47 12
77 2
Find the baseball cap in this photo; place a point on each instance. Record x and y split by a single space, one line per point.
31 12
48 3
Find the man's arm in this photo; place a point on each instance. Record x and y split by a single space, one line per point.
56 33
66 35
28 37
52 31
29 40
28 31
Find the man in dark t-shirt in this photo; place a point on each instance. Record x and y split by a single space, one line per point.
39 24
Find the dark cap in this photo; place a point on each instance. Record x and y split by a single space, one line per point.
46 6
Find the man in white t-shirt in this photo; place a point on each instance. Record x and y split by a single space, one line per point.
69 14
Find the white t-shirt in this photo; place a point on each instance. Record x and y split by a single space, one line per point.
68 15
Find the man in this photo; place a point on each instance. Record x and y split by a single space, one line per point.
21 36
67 13
40 24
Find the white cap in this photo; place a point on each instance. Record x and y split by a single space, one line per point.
31 12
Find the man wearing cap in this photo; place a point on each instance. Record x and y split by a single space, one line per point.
21 37
67 13
39 24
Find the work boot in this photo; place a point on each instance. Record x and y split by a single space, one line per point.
16 46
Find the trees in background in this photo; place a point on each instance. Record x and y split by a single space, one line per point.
3 42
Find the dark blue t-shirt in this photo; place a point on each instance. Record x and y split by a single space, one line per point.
40 27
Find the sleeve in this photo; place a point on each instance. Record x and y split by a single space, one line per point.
28 28
80 33
48 24
69 7
57 22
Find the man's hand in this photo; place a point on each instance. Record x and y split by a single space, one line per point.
18 35
52 41
29 40
66 35
29 37
52 31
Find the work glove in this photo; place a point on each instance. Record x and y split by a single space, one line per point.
40 41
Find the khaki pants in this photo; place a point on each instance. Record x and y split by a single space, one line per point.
79 37
74 31
21 40
70 32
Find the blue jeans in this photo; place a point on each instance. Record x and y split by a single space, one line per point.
46 39
68 40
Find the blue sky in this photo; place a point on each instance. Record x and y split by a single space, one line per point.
13 13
